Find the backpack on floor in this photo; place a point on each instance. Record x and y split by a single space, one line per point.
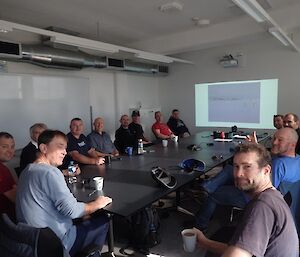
144 230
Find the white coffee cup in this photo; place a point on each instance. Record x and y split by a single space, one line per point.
98 183
175 138
189 240
164 142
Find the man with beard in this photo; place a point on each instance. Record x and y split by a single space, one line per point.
278 121
267 227
220 189
291 120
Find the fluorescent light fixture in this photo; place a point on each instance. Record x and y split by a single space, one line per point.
85 43
258 13
89 44
5 27
280 34
276 33
154 57
252 8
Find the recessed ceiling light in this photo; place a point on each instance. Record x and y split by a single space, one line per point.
171 7
200 22
4 31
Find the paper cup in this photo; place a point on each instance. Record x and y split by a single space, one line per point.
189 240
164 143
98 183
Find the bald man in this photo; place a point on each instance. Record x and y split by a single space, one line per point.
100 140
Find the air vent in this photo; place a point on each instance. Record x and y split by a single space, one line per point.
115 63
163 69
10 50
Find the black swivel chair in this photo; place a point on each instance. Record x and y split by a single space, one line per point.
22 240
226 232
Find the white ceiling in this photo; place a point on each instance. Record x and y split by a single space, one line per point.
140 24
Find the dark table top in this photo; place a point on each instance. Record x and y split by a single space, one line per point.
129 183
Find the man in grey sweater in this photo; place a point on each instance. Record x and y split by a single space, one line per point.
44 200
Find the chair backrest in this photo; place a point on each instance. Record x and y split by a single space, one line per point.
22 240
288 198
154 133
292 191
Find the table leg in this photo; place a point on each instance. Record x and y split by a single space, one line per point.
177 197
110 239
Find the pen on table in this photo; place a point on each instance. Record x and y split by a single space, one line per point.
93 192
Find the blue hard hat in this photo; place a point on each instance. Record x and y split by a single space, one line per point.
192 164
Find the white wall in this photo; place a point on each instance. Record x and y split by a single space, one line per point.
111 93
261 60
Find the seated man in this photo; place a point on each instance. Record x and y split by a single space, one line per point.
29 152
123 137
291 120
285 167
160 129
7 183
136 128
177 125
267 227
100 140
79 148
44 199
278 121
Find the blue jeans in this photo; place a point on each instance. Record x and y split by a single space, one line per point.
92 231
221 191
224 177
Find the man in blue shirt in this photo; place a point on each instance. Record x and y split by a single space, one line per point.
44 200
79 147
100 140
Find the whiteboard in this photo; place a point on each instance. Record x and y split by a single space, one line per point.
27 99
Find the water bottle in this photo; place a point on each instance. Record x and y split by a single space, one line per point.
71 170
140 149
71 167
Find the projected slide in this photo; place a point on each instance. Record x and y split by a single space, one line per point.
234 102
246 104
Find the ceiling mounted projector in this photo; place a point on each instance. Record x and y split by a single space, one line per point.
228 61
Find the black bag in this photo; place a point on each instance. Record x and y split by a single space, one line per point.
144 230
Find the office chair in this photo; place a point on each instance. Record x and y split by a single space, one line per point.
22 240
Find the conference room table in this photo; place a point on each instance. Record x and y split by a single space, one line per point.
128 180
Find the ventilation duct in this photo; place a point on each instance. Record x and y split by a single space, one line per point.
58 58
50 57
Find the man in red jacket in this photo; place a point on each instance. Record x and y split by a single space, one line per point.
7 183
